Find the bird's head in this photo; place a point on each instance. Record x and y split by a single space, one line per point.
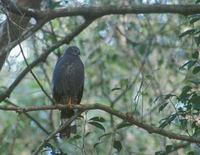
73 50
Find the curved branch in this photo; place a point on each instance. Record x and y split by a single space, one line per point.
93 13
125 117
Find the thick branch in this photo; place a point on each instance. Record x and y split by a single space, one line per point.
127 118
108 10
95 12
88 12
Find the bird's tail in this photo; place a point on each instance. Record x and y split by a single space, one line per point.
65 116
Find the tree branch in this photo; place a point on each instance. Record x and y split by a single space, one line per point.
90 13
30 117
100 11
125 117
34 76
52 135
95 12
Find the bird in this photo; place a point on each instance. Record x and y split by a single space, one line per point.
68 85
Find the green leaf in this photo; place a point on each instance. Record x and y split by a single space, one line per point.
197 32
163 106
195 55
53 5
187 32
197 40
197 1
196 70
169 148
117 88
194 18
98 119
167 121
194 82
163 124
95 145
186 88
49 145
183 123
98 125
117 145
76 137
160 153
87 134
189 64
124 83
123 125
148 76
195 100
183 97
191 153
104 135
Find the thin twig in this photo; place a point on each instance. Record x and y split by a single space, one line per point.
30 117
34 76
14 133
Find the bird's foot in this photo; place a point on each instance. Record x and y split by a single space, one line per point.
69 104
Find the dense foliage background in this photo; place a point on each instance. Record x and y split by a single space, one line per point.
146 65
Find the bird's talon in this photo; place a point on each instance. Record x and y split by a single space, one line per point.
69 104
